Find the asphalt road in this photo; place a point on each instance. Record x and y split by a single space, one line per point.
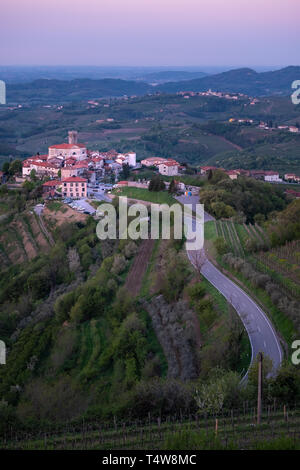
99 194
261 333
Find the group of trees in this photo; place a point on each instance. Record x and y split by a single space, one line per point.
284 226
12 168
224 197
156 184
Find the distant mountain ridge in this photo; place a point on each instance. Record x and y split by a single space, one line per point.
170 75
243 80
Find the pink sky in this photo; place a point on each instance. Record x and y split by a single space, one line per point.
150 32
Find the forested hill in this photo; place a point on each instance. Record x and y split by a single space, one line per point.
244 80
55 91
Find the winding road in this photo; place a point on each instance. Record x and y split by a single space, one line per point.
262 335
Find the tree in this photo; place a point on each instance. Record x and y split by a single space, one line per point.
125 173
198 259
33 175
156 184
15 167
5 167
172 187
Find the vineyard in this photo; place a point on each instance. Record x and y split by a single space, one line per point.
231 429
21 239
282 264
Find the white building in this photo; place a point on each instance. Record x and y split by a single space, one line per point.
272 176
72 149
127 159
168 168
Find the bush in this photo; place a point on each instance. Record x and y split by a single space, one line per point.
119 265
221 246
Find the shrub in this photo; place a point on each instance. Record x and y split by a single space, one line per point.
221 246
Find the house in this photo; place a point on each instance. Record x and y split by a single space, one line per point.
292 177
68 171
127 159
293 129
41 168
272 176
152 161
50 187
205 169
168 168
257 174
75 187
242 172
293 193
233 174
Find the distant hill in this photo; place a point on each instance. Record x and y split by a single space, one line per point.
169 75
245 80
242 80
56 91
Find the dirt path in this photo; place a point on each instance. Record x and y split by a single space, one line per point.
236 146
46 232
138 268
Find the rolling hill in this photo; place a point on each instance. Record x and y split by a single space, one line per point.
244 80
56 91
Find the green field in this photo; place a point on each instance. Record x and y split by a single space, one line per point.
157 197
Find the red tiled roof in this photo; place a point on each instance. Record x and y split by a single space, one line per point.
166 163
75 179
52 183
205 168
43 164
81 165
67 146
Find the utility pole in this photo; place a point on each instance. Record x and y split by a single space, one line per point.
259 388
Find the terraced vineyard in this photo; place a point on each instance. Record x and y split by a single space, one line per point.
21 239
236 429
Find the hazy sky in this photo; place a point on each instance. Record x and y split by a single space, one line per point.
150 32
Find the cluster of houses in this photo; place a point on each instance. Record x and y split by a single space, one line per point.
293 129
166 166
71 166
269 175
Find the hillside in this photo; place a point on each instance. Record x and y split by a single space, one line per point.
243 80
56 91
